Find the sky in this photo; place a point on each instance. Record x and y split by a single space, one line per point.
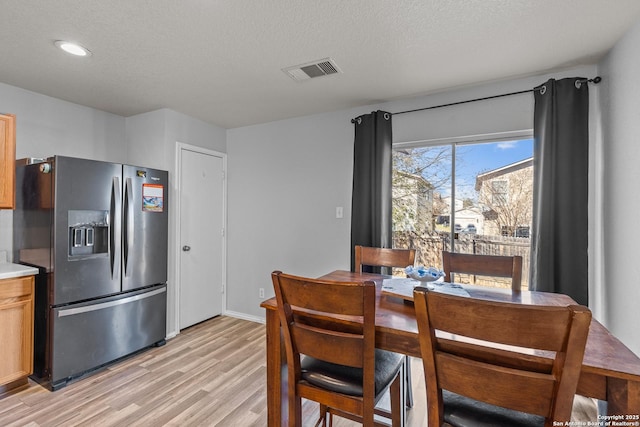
474 159
485 157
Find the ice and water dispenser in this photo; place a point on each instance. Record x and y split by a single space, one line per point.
88 233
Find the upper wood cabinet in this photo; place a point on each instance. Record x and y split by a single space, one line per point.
7 160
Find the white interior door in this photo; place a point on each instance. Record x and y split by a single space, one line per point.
201 236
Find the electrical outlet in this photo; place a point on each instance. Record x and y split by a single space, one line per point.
261 293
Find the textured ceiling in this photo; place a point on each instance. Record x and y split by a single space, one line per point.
221 60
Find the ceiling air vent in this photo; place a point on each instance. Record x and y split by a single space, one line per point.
322 67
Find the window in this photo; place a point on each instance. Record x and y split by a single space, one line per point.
499 192
471 196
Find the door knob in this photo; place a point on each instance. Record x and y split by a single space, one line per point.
186 248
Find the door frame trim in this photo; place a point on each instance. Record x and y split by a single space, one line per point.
180 147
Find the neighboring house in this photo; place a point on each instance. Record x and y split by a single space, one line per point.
470 216
506 197
412 203
463 216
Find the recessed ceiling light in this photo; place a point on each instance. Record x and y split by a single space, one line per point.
73 48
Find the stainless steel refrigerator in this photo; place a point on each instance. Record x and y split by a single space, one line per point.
97 231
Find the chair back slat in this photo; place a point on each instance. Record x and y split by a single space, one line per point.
496 384
483 265
541 328
321 296
467 348
383 257
322 344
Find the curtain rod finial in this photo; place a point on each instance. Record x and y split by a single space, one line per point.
597 79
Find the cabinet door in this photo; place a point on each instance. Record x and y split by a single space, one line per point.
7 160
16 329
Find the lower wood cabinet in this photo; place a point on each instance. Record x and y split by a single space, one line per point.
16 331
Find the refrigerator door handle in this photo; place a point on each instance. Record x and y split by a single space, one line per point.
101 306
114 226
127 241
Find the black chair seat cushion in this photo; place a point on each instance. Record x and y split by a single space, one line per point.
460 411
348 380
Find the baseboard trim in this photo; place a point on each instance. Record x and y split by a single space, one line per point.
244 316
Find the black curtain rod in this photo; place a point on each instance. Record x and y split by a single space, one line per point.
595 80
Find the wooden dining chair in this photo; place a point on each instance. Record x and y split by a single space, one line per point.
483 265
386 257
382 257
487 383
329 336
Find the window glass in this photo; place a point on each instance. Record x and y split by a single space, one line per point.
464 197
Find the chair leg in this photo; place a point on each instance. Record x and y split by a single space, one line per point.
394 394
407 382
295 411
323 416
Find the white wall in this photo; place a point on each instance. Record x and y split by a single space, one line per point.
151 142
48 126
145 140
621 157
286 178
152 137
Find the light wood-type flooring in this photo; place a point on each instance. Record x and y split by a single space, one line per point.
212 374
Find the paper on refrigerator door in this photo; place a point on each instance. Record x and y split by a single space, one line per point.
152 198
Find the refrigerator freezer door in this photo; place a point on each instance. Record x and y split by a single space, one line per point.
89 335
87 221
144 227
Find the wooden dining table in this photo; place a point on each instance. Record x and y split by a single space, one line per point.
610 371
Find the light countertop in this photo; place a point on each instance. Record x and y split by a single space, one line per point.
9 270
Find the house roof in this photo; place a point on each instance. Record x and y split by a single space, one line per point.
222 61
503 170
414 177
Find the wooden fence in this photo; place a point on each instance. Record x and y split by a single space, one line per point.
429 251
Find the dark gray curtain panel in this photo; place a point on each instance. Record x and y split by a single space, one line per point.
559 261
371 222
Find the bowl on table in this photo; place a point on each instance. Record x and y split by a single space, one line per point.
423 274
